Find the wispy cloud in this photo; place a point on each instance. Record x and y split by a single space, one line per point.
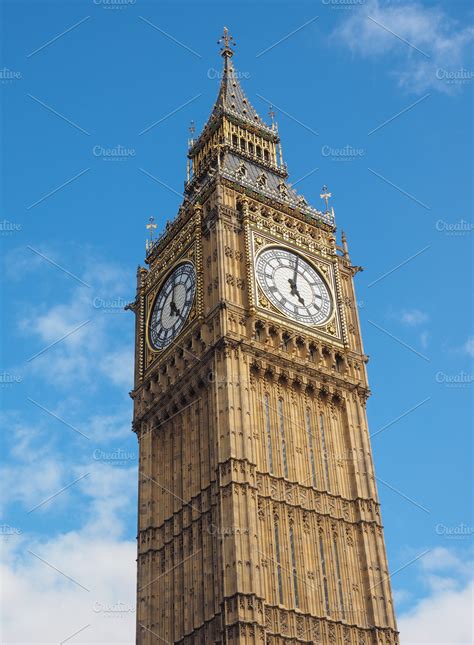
429 48
468 346
413 317
96 352
32 484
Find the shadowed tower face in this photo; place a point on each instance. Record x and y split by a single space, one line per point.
258 516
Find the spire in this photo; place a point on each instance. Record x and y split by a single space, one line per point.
231 97
238 145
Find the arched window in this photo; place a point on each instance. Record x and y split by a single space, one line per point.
266 155
324 574
309 432
243 144
268 429
293 567
234 140
251 148
282 436
324 451
278 561
259 151
338 578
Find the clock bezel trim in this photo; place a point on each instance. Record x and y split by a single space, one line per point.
309 260
154 298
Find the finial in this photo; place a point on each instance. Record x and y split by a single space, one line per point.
345 248
192 130
326 195
271 114
227 40
151 227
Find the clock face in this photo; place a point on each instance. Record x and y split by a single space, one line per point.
294 286
172 305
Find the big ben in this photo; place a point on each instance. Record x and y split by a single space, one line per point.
258 515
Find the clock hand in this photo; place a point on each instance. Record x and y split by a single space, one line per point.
174 309
294 291
297 294
295 273
292 281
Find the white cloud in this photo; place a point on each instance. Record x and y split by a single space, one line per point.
106 427
424 339
41 605
442 559
33 485
119 366
89 323
469 346
444 615
413 317
443 45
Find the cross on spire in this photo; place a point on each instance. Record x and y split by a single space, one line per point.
228 41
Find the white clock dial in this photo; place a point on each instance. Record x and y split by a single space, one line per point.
172 305
294 286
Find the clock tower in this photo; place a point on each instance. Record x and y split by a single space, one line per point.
258 515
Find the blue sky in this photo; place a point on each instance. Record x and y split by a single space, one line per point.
373 99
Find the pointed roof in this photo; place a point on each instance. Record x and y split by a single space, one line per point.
266 182
255 174
232 99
